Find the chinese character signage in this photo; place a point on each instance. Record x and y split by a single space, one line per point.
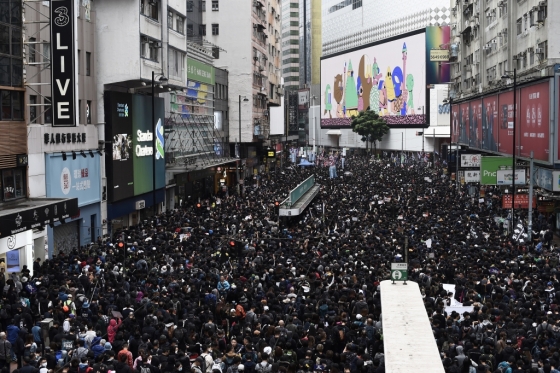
200 72
470 160
521 201
78 178
472 176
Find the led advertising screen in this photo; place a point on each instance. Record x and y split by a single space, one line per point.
131 132
387 77
487 123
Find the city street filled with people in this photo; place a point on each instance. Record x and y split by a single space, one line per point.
223 285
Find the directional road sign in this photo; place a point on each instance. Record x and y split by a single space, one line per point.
399 271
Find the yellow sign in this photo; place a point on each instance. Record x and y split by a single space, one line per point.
438 55
271 154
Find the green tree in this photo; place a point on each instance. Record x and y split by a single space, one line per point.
370 126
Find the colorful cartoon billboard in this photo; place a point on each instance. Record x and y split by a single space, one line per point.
487 123
387 77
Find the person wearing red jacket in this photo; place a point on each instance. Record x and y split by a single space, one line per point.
112 329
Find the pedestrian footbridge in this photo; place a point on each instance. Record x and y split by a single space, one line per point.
300 197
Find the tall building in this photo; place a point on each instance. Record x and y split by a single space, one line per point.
506 51
151 61
290 44
252 58
62 117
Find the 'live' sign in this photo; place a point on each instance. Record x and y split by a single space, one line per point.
62 63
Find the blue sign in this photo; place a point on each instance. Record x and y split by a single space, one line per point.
74 178
543 178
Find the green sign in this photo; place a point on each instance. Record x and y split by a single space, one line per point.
200 72
301 189
489 167
399 271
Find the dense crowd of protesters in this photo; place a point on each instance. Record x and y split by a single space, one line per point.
299 295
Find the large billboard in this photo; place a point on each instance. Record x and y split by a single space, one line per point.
486 123
131 131
73 178
387 77
438 39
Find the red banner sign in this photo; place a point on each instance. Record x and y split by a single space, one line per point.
521 201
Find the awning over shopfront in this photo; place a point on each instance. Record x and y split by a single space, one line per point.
34 213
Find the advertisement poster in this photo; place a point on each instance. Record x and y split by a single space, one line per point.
534 117
73 178
475 124
489 167
472 176
118 113
142 142
455 128
464 115
505 177
388 77
130 129
437 36
490 123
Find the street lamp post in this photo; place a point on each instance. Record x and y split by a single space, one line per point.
245 99
423 129
154 137
507 76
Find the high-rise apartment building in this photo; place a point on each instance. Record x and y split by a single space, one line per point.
250 33
504 76
290 44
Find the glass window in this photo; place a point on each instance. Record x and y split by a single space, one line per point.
79 61
31 57
16 13
169 19
17 72
5 39
5 71
18 181
79 111
48 110
180 25
32 108
46 52
17 105
88 63
8 181
88 112
215 29
6 98
5 11
16 42
215 5
216 52
202 30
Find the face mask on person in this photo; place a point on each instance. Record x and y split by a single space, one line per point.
180 369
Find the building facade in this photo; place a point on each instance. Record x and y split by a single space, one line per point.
63 158
291 48
152 61
253 61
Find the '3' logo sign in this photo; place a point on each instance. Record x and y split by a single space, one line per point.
63 18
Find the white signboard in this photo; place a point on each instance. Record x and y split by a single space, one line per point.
503 177
472 176
470 160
